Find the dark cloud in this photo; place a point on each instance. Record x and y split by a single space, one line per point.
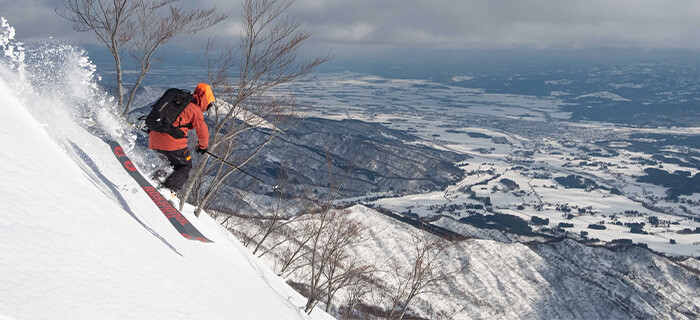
37 19
506 23
451 24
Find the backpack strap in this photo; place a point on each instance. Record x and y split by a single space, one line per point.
189 125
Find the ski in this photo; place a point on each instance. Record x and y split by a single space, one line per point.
181 224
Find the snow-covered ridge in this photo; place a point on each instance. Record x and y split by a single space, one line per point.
603 95
79 240
511 280
462 78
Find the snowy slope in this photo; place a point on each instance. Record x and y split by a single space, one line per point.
79 240
504 280
561 280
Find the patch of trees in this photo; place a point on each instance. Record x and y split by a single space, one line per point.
635 224
510 184
521 193
692 141
565 225
500 221
632 213
485 200
689 231
483 150
539 221
563 208
678 183
610 154
677 161
502 140
478 135
541 175
622 241
638 230
645 162
455 208
596 226
653 220
577 182
588 164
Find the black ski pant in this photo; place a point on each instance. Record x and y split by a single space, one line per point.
181 161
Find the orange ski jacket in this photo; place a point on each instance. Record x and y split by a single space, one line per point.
193 115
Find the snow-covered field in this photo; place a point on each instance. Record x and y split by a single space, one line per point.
364 97
541 197
487 127
80 240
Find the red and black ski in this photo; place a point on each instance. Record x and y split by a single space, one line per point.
181 224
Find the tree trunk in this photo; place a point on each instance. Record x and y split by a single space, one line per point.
211 192
120 88
132 92
195 176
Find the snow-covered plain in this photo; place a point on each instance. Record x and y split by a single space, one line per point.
602 95
521 138
80 240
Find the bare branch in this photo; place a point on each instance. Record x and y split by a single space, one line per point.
268 57
424 274
138 25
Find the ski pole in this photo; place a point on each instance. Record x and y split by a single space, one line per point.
241 170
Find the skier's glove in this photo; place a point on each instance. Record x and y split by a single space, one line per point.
201 150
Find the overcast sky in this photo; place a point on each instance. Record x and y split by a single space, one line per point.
402 25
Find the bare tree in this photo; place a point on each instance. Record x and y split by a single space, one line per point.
139 25
154 30
346 271
356 291
319 241
275 227
246 229
321 244
332 264
294 233
266 59
278 220
425 273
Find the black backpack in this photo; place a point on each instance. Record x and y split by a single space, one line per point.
166 110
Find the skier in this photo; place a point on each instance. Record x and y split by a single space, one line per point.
176 150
